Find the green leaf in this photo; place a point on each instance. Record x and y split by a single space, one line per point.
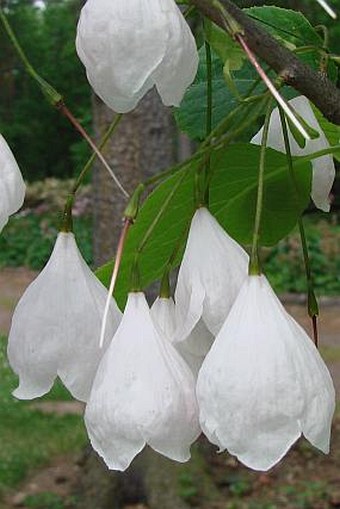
332 131
169 229
232 201
287 24
191 116
233 77
234 190
224 46
293 30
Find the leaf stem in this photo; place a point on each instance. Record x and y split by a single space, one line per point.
107 135
212 142
51 94
254 262
202 174
66 225
272 89
55 98
313 307
69 115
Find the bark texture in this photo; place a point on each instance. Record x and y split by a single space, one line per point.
142 145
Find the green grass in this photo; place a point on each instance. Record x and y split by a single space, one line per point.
29 438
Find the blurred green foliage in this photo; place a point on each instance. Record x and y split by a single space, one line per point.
43 141
284 264
28 240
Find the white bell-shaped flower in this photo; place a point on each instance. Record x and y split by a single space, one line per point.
129 46
56 326
211 274
323 167
143 393
263 383
12 186
192 348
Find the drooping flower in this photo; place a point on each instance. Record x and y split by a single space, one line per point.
212 271
56 326
193 347
12 186
263 383
323 167
128 47
143 393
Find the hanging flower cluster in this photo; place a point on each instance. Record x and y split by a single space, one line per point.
224 357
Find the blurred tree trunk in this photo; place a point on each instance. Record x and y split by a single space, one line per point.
144 143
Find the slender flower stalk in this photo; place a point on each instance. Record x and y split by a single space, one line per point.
327 8
55 98
323 165
313 308
271 87
67 113
107 135
66 225
254 263
223 134
118 259
205 197
237 33
51 94
130 215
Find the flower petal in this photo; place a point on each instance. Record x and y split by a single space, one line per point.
178 67
195 346
127 47
251 387
318 388
143 391
12 186
212 271
323 167
56 325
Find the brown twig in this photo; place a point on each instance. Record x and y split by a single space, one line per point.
316 86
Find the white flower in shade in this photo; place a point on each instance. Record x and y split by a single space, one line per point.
212 271
56 326
263 383
323 167
143 393
129 46
192 348
12 186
